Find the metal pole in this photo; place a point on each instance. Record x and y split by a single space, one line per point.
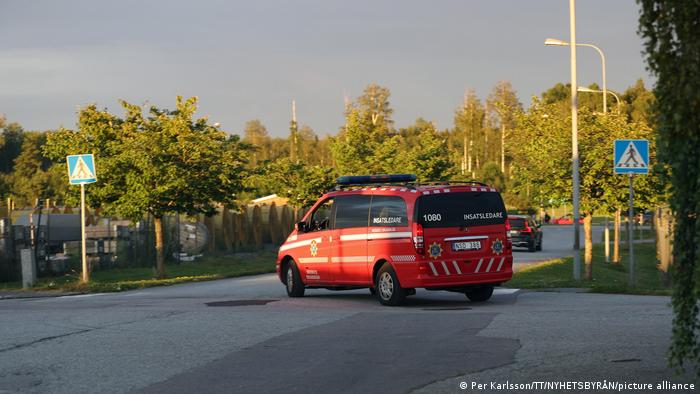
85 276
629 233
605 84
607 240
574 142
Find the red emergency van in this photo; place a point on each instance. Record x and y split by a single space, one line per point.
393 235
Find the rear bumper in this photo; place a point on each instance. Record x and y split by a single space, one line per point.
454 273
521 240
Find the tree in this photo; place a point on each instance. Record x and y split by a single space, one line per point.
302 184
429 156
640 102
255 134
468 122
10 146
29 179
491 174
163 163
543 144
504 103
670 30
374 106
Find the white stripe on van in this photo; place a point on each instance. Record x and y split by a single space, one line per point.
489 266
501 263
445 267
459 271
481 260
305 242
389 235
466 238
308 260
432 267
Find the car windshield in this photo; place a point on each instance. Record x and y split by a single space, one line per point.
517 223
461 209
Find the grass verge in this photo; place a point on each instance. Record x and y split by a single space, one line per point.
607 277
119 279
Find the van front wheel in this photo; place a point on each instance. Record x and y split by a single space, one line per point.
294 285
388 288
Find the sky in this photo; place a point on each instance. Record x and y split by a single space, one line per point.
249 59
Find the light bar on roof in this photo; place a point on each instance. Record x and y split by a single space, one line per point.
370 179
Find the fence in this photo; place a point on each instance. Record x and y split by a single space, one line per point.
118 243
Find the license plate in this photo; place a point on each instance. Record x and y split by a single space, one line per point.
471 245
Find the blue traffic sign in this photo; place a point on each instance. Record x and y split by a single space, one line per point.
631 157
81 169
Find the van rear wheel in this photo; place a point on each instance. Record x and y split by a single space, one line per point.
479 294
388 288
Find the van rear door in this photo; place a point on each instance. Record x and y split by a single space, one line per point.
462 226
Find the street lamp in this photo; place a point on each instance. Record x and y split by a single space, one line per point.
555 42
587 90
574 136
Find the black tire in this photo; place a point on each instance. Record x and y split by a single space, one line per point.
388 288
373 291
531 246
539 245
479 294
293 283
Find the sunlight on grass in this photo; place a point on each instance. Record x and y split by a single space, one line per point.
607 277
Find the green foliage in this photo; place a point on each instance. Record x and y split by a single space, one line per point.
166 162
543 144
671 30
491 174
10 146
255 134
302 184
354 150
429 157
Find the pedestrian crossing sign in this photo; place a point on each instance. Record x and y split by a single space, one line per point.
81 169
631 157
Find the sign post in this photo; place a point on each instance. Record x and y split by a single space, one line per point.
631 157
81 170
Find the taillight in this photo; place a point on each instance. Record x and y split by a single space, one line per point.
418 240
508 229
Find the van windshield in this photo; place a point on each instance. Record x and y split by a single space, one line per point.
460 209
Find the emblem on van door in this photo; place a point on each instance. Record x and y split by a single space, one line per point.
313 248
497 246
435 250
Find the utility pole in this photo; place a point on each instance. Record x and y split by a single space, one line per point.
294 137
574 142
464 145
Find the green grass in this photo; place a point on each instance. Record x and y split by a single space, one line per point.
607 277
119 279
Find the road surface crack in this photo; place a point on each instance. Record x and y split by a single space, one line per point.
45 339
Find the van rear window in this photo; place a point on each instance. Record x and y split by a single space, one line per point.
460 209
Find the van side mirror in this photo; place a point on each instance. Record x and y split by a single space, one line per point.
300 227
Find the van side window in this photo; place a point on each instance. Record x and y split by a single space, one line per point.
388 211
351 211
322 216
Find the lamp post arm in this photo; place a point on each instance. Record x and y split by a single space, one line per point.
605 85
618 100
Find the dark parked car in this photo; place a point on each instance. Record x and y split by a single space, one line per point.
524 232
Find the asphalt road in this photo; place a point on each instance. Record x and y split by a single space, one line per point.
557 241
245 336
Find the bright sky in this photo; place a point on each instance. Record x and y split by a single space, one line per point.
249 59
